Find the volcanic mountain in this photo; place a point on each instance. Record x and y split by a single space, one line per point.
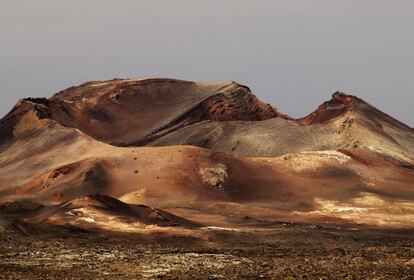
204 151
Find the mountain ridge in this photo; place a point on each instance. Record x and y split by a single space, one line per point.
213 148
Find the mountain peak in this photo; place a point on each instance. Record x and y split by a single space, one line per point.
336 106
133 111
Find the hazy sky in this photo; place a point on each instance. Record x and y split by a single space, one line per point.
292 54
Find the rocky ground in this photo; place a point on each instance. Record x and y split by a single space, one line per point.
284 251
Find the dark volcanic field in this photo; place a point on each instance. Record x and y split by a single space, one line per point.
286 251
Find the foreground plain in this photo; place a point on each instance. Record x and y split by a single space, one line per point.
277 251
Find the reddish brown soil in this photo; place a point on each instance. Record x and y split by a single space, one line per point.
215 166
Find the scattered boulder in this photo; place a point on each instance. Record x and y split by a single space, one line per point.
215 176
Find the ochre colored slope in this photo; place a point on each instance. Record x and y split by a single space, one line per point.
133 112
347 161
342 123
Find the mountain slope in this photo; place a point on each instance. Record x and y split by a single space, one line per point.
132 112
346 161
341 123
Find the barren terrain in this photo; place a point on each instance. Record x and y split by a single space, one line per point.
274 251
162 178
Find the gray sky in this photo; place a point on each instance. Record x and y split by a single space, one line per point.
292 54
